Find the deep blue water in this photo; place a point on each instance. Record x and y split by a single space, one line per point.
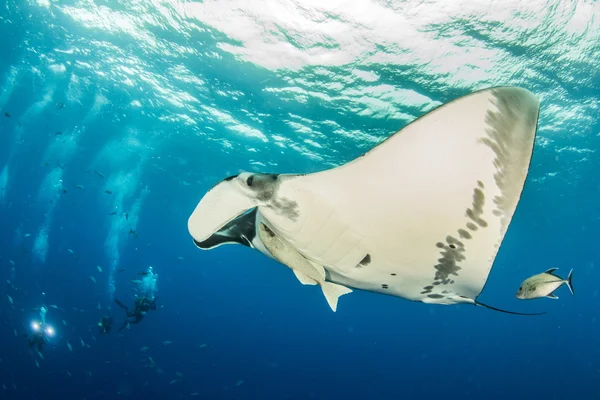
155 102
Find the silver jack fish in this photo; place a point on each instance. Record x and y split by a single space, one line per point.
543 285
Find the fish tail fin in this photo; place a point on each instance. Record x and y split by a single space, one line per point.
570 282
332 292
506 311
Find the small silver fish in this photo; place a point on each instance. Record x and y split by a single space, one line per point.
64 322
99 268
92 279
167 342
10 300
543 285
69 346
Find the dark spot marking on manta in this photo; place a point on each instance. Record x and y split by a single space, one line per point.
285 207
230 178
476 211
471 226
497 213
436 283
384 286
365 261
480 184
435 296
511 110
264 185
464 234
439 245
452 241
451 255
393 274
427 289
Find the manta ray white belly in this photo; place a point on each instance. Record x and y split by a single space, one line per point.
421 216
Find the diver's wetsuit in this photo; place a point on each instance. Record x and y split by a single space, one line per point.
38 338
141 307
105 324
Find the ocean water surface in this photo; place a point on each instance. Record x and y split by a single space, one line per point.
117 116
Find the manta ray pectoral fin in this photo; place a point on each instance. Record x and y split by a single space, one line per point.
333 292
430 205
305 280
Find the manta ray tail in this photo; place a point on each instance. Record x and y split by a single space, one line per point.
332 292
506 311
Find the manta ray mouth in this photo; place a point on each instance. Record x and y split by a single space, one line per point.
240 230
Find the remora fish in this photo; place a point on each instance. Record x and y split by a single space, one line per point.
543 285
307 273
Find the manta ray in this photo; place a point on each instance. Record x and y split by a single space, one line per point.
420 216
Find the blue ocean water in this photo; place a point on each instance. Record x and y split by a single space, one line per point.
118 116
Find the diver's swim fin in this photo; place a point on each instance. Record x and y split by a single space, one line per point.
120 304
123 326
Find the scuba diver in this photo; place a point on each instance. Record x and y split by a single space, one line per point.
105 324
142 305
41 331
39 336
145 298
